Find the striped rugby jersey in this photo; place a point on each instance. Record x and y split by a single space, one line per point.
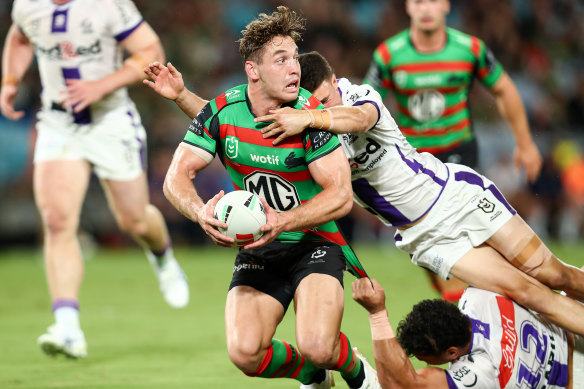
510 347
431 89
279 174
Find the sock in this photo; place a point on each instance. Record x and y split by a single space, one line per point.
66 312
284 361
162 256
348 364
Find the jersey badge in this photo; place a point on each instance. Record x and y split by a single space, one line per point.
231 147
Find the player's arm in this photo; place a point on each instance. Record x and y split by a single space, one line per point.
511 108
339 120
16 58
394 369
178 188
335 200
168 82
143 46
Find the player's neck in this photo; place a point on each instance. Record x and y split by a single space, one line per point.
428 41
259 102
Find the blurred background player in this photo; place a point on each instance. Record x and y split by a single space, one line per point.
430 67
87 122
301 255
489 342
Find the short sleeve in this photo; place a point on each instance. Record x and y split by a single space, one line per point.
477 372
123 17
489 70
17 14
318 143
203 131
361 94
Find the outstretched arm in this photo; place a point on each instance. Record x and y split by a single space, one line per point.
394 369
511 108
167 81
16 58
339 120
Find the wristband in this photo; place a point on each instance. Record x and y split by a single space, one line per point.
324 120
9 80
380 326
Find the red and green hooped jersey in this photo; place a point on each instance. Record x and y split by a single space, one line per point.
279 174
431 89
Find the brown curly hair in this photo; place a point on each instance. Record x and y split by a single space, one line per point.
264 28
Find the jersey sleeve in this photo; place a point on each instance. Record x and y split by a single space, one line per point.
362 94
489 70
203 132
318 143
378 75
476 373
123 17
17 14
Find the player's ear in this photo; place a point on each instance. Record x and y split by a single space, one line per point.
251 70
334 81
453 353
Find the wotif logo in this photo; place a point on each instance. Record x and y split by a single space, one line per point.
271 159
231 147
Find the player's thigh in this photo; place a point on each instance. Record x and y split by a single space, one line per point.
59 189
319 302
251 318
127 199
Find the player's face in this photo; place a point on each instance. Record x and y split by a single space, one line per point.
279 71
427 15
328 93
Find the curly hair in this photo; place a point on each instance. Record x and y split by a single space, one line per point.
315 70
264 28
432 327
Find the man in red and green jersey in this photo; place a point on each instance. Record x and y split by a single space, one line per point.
304 185
430 68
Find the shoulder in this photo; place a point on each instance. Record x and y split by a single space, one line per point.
21 8
353 93
229 99
465 41
398 41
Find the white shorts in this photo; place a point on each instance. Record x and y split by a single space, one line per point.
469 211
578 362
115 145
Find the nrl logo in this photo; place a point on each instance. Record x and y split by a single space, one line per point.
486 205
231 147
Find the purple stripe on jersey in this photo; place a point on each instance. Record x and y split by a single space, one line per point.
124 34
558 374
371 197
451 384
418 167
84 116
376 106
475 179
59 23
62 303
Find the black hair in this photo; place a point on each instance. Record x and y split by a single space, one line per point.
315 70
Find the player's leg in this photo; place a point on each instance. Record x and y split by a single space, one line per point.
517 242
60 187
486 268
134 214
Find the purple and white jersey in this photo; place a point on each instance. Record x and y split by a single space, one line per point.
510 347
77 40
390 178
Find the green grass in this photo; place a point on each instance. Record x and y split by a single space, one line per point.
136 341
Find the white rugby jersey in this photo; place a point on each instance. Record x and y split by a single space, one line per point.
390 178
510 347
77 40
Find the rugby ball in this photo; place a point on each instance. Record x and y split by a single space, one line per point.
244 214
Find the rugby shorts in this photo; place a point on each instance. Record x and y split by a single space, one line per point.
115 145
277 268
467 213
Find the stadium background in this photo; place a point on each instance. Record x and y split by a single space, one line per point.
135 340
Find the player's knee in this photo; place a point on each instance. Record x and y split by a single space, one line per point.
57 222
134 226
318 351
245 355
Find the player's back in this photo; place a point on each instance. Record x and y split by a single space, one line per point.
510 347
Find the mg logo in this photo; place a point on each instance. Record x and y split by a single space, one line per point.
231 147
278 193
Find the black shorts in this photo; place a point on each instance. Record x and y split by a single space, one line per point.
466 154
278 268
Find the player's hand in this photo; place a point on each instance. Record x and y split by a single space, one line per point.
80 94
165 80
271 229
530 158
211 225
369 294
287 122
7 96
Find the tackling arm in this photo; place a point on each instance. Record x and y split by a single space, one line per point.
394 369
512 109
16 58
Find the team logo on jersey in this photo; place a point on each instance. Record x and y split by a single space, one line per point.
86 26
269 159
293 161
401 78
427 105
67 50
486 205
277 191
231 147
303 100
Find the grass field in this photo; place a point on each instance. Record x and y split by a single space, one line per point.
136 341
